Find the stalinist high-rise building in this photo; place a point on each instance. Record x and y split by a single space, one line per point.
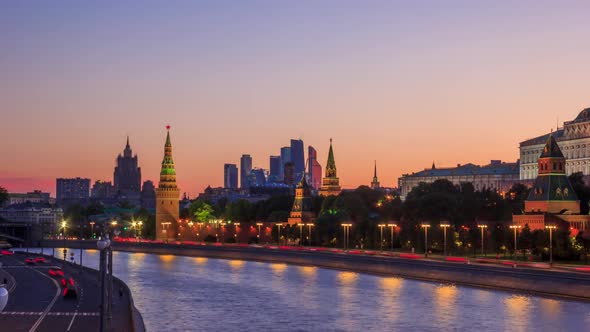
330 183
167 196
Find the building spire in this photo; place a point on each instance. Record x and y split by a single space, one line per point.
331 164
168 172
375 173
127 152
375 183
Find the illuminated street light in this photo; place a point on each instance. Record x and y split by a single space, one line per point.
482 227
300 234
237 226
426 227
165 226
92 229
515 228
346 229
259 224
392 227
551 228
309 226
381 226
279 233
445 226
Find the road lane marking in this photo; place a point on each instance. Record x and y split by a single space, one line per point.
57 293
72 321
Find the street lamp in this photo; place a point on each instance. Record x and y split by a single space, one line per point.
165 226
279 233
426 227
133 225
381 230
222 232
300 234
310 226
259 224
551 228
92 229
482 227
65 251
445 226
392 228
346 228
237 226
515 228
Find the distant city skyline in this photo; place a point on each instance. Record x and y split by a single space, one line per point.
404 83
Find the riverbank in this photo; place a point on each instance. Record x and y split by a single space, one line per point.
544 282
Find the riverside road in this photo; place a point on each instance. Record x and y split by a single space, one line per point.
36 301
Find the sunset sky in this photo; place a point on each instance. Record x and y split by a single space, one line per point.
405 83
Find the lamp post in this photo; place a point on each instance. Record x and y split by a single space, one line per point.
222 232
236 230
134 226
551 228
279 233
515 228
165 228
381 231
103 245
346 235
259 224
425 226
445 226
310 226
482 227
199 225
392 228
92 229
65 251
300 234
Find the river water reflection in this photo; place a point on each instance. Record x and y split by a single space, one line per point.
177 293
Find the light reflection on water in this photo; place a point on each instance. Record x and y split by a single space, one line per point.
176 293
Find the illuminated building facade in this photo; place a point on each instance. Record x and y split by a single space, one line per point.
167 196
245 170
552 199
497 175
573 140
330 183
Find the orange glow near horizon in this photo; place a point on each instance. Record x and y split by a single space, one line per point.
406 85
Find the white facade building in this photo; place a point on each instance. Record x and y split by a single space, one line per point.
573 140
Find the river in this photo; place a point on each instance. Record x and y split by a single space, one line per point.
175 293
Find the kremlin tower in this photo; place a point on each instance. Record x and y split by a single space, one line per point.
167 196
301 212
330 183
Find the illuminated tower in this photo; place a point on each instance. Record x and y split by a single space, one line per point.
301 212
375 182
167 196
330 183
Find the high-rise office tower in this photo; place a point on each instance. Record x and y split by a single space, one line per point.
285 158
257 177
127 175
230 176
245 170
167 196
314 169
275 169
289 176
298 158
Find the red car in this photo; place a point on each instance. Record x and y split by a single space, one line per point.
56 272
40 260
69 288
6 252
30 261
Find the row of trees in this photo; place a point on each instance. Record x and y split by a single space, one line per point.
461 206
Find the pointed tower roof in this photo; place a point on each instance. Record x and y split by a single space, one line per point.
127 145
433 166
375 173
551 149
331 162
168 173
168 137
